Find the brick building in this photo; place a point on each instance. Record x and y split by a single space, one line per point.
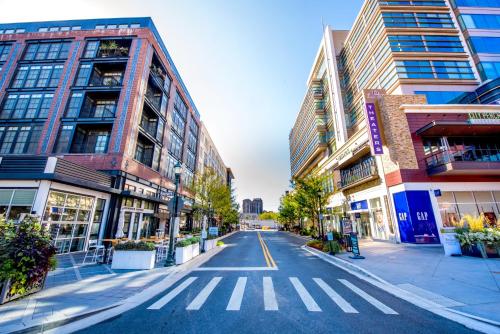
93 117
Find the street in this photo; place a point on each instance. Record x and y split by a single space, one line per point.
264 282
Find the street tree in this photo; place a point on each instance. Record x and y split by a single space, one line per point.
268 215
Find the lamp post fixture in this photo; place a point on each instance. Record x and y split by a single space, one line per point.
170 256
320 218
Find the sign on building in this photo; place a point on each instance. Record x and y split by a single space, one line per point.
375 134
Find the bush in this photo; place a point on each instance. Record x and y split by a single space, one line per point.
317 244
26 254
220 243
135 246
187 242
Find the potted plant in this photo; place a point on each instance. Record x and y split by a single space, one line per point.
183 251
134 255
195 245
107 48
209 242
26 256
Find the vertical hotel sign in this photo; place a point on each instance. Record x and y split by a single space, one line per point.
375 135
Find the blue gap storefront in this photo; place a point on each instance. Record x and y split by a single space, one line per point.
415 216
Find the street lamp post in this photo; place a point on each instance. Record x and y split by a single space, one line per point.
170 256
320 218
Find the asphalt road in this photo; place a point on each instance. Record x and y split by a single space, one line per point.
273 286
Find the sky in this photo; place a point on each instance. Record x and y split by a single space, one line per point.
244 62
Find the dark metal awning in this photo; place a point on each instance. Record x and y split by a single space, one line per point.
458 128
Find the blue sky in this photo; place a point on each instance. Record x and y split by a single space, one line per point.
245 64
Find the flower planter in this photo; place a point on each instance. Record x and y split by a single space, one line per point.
482 249
196 249
5 295
451 244
183 254
126 259
209 244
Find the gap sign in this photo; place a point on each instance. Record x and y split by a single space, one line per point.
375 136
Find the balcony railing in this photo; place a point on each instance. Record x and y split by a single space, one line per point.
97 111
470 155
364 170
149 127
105 81
105 52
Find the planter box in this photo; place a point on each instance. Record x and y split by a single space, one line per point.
183 254
133 260
196 249
5 295
209 244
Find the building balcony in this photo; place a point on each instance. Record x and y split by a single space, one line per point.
319 107
361 172
464 162
106 80
153 97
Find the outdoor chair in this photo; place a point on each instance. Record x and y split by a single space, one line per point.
94 252
161 252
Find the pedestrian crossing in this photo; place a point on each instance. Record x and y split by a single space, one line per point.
270 301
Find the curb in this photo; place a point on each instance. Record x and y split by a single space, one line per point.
468 320
86 319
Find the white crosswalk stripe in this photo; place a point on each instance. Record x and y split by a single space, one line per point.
237 296
337 299
172 294
382 307
201 298
306 297
270 302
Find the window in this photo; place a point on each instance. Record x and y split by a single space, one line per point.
104 108
14 202
74 105
192 142
100 26
439 3
474 3
19 139
91 49
424 20
193 127
40 76
135 25
439 97
144 152
43 29
434 69
484 44
479 21
83 75
178 123
190 160
175 146
98 218
63 139
430 43
180 105
45 51
26 106
171 162
489 69
4 51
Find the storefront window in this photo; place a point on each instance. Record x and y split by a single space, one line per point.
448 209
98 218
453 206
377 217
69 218
14 202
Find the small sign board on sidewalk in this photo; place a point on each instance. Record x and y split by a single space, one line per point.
355 246
346 226
214 230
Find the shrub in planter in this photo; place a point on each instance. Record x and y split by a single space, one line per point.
317 244
220 243
135 246
26 256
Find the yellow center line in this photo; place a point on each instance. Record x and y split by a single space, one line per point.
267 254
263 249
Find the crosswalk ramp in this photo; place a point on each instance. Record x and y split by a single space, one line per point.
338 296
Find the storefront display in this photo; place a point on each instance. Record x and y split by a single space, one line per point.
454 205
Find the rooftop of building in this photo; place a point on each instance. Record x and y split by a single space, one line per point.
91 24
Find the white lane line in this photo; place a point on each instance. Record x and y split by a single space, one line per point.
270 302
172 294
337 299
235 269
237 296
202 297
382 307
306 297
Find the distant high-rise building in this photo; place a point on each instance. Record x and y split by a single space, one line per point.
253 206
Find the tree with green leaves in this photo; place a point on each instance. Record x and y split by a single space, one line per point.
311 197
288 212
268 215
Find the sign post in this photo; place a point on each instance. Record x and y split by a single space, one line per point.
355 247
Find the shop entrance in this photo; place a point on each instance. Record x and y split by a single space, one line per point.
362 220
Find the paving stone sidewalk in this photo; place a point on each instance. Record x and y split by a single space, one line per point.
465 284
74 289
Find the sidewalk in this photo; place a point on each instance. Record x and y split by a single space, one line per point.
74 289
465 284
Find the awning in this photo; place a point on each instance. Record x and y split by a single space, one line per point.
458 128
